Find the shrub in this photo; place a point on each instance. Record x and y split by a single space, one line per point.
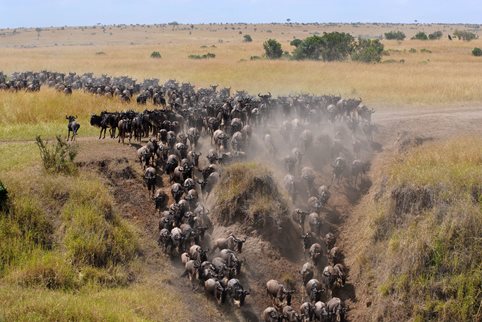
155 54
331 46
205 56
477 52
272 49
309 48
58 158
395 35
368 51
465 35
254 58
424 50
435 35
412 51
296 42
337 46
247 38
420 36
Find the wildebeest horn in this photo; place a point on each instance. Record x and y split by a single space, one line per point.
259 94
269 94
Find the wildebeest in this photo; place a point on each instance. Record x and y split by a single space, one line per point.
307 272
314 289
216 288
270 314
230 242
150 177
278 293
335 309
359 168
315 253
73 126
236 292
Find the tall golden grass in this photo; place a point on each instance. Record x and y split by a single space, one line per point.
447 75
428 259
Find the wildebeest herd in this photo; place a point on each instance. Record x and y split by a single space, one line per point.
193 133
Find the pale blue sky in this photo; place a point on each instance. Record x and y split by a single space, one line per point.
43 13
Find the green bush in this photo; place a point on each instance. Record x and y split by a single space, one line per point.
395 35
272 49
412 51
309 48
330 47
420 36
205 56
296 42
337 46
155 54
254 58
435 35
477 52
58 158
247 38
465 35
424 50
368 51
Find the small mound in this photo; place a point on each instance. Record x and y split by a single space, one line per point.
248 195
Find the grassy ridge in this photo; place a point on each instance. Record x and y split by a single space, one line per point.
427 258
66 252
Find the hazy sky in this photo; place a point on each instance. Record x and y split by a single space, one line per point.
42 13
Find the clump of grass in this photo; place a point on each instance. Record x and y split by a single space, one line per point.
58 158
45 269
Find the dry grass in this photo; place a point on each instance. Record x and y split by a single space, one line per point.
448 75
428 259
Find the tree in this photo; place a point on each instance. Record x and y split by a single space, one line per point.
465 35
395 35
368 51
336 46
310 48
272 49
420 36
296 42
38 30
247 38
435 35
477 52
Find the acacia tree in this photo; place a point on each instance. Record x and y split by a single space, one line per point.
272 49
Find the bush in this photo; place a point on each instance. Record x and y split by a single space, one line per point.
424 50
155 54
254 58
337 46
309 48
272 49
368 51
58 158
412 51
435 35
331 46
420 36
296 42
465 35
247 38
477 52
395 35
205 56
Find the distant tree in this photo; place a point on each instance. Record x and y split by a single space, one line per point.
272 49
38 30
395 35
477 52
296 42
465 35
336 46
309 48
435 35
368 51
420 36
247 38
288 20
155 54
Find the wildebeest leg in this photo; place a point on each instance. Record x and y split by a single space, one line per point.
68 134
